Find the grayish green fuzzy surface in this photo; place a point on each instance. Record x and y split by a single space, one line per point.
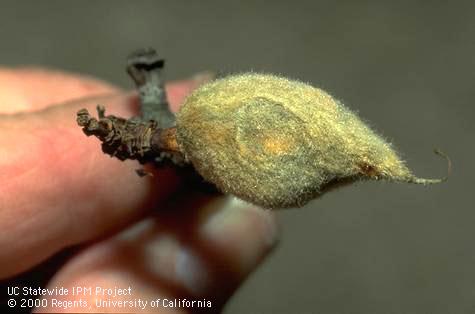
277 142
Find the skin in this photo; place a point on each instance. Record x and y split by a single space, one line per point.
57 189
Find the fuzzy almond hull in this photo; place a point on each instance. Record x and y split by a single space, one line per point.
279 143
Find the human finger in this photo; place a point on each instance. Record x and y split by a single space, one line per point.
29 89
194 250
57 188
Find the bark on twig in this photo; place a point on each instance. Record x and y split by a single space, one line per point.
149 138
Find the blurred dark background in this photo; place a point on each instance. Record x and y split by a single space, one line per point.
406 66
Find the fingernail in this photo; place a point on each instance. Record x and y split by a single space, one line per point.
193 273
270 228
244 231
229 215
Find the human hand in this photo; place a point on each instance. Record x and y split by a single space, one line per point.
57 189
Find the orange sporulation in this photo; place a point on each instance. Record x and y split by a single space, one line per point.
277 146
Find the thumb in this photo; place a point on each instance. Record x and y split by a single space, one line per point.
195 250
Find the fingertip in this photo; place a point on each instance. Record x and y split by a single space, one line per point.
205 260
27 89
244 232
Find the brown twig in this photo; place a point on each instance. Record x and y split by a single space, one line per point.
149 138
